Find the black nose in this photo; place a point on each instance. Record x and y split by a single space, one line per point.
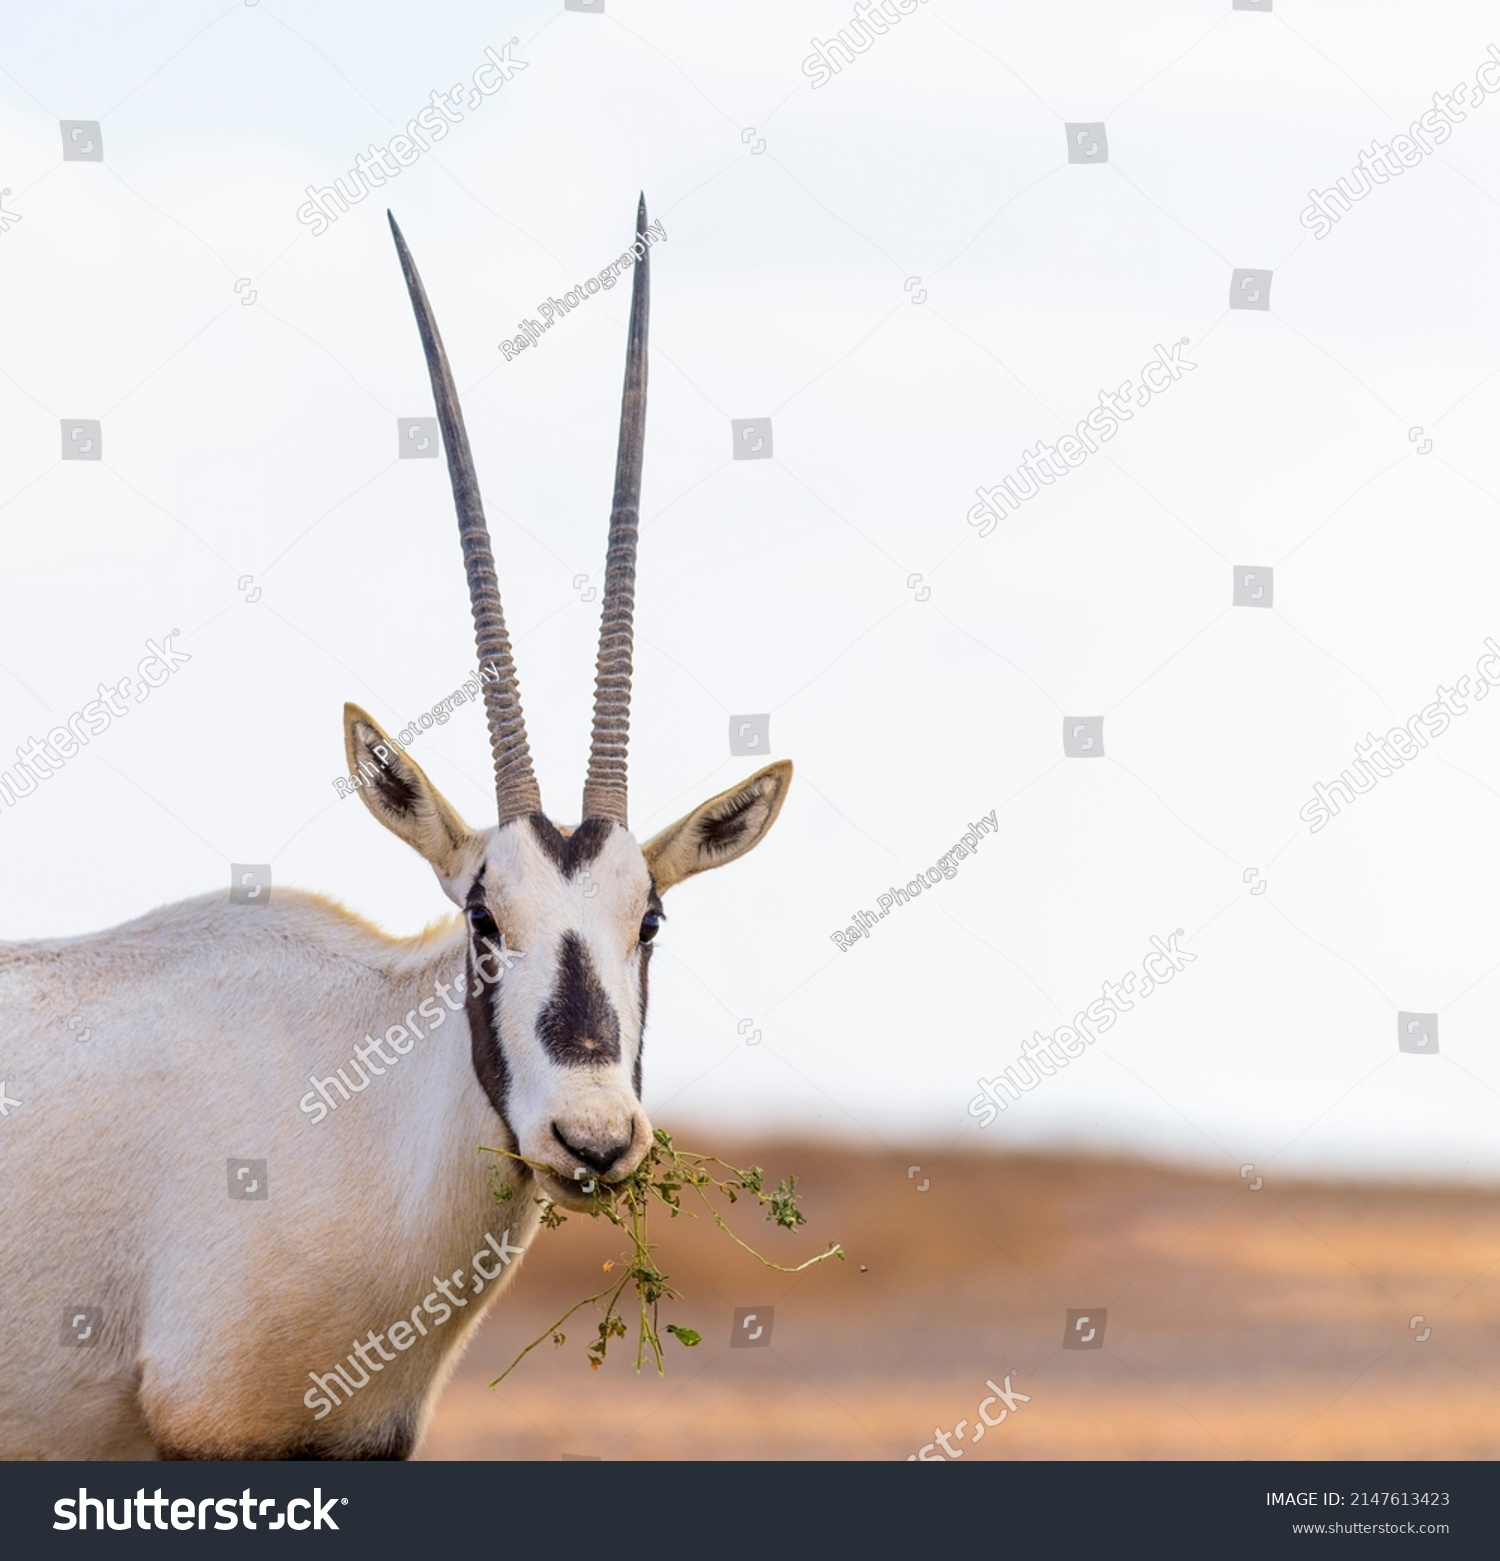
597 1156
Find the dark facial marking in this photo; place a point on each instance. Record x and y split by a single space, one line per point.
640 1051
484 1042
570 853
479 1007
482 927
579 1026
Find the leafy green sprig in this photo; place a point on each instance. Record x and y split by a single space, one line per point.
664 1175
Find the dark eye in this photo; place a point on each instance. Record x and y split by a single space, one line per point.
650 925
482 922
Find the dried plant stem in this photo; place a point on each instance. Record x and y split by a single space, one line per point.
663 1174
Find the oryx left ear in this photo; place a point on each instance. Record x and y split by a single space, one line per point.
721 829
396 791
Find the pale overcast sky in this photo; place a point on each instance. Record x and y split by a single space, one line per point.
902 271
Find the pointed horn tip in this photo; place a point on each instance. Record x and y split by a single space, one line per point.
402 252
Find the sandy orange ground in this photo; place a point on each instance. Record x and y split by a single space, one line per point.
1241 1324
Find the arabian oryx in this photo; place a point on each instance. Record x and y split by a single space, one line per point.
158 1300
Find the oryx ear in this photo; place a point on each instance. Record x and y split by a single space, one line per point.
721 829
397 792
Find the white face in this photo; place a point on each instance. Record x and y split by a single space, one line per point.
557 1022
558 1034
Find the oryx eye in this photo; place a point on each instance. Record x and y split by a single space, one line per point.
650 924
482 922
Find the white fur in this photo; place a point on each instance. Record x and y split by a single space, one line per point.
206 1020
208 1023
535 906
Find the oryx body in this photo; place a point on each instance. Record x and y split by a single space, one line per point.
247 1217
207 1021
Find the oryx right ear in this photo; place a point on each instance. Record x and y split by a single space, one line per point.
397 792
721 829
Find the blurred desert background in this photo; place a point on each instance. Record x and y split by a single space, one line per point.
1242 1322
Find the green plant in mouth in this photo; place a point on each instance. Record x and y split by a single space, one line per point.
663 1176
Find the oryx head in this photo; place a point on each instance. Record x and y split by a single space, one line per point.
560 920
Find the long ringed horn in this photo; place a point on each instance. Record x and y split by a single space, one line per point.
604 791
516 789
